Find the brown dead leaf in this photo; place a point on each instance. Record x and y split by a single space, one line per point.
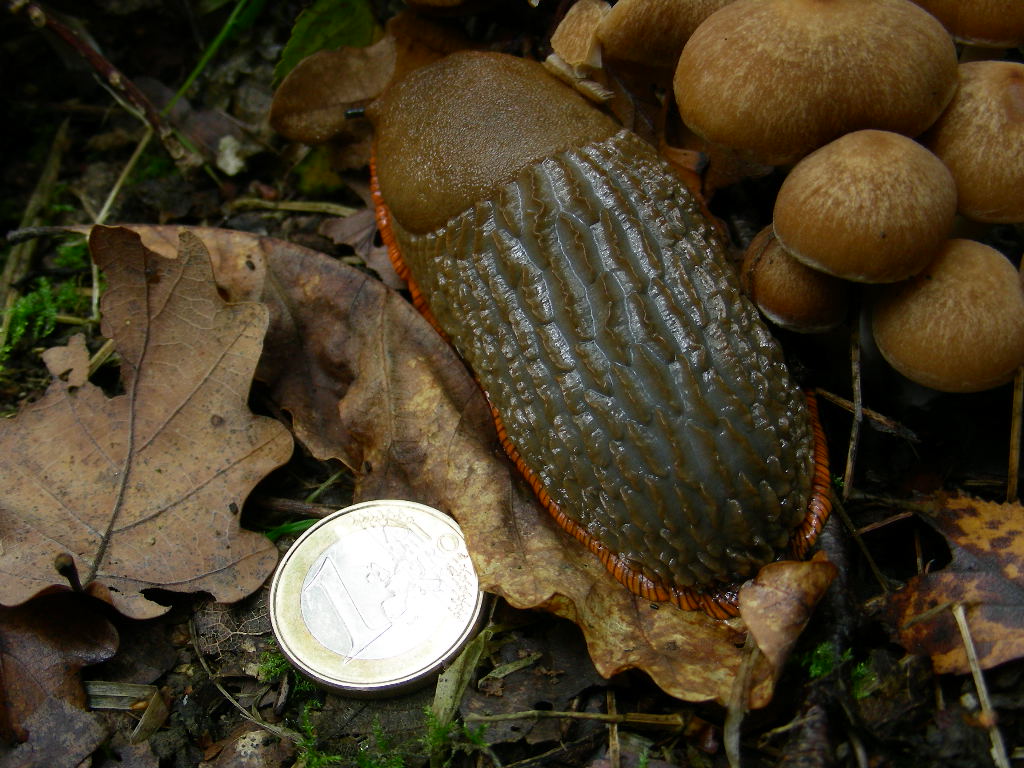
369 382
986 575
43 645
779 602
359 231
310 104
143 489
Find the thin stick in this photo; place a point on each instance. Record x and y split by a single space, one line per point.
295 206
840 511
1013 475
113 78
879 421
988 714
101 217
614 747
628 718
277 730
858 412
738 697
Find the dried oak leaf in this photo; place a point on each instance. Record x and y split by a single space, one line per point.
779 601
369 382
43 645
986 575
143 489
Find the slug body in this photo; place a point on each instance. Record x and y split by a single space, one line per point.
636 389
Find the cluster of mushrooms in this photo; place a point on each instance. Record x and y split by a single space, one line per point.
893 143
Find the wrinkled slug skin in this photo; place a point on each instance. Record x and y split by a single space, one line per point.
595 306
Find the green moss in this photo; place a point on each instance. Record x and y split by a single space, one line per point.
824 659
34 316
272 666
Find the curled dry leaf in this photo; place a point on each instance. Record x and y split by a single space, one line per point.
986 575
43 645
369 382
778 603
143 489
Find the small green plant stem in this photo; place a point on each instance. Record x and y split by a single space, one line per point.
209 53
319 490
628 718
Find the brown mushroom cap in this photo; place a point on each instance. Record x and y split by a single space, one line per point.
790 294
980 137
653 32
455 130
776 79
958 326
872 206
988 23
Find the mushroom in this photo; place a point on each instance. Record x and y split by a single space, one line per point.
775 79
653 32
575 39
985 23
872 207
790 294
980 137
958 326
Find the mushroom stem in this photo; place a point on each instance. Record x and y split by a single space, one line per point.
1013 475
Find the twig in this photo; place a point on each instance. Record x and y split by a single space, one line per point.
296 206
614 746
882 579
101 217
112 77
870 527
988 714
877 420
738 697
277 730
858 412
1013 475
292 506
628 718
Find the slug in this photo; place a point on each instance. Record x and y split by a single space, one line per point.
634 387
